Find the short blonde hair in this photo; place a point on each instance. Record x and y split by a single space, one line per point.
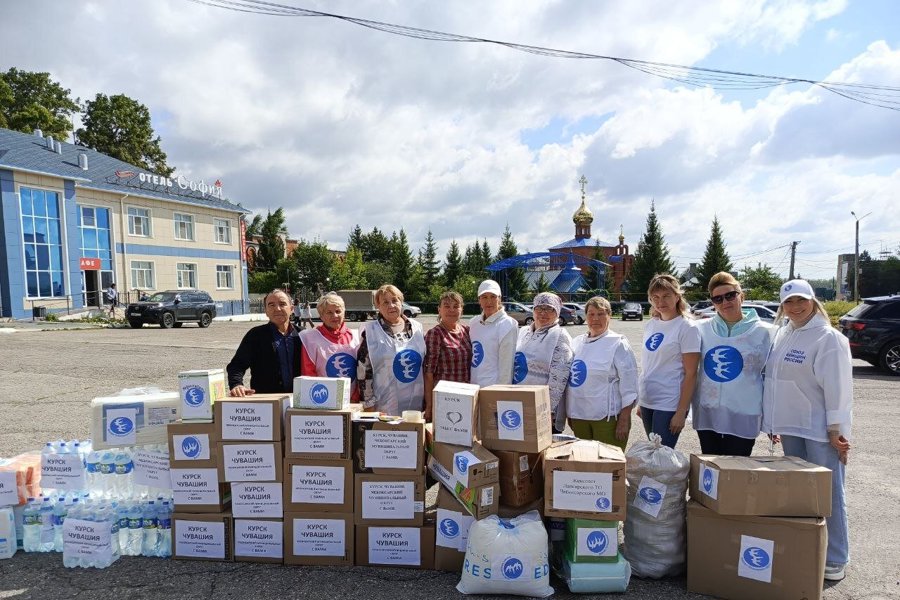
667 283
600 303
387 289
330 299
724 278
451 296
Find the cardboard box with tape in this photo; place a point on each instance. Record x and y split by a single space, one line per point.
259 540
312 485
193 445
202 537
250 461
392 546
584 479
199 491
256 418
321 393
521 477
312 538
515 417
387 447
389 499
317 434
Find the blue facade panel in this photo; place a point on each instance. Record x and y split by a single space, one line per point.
150 250
73 244
12 278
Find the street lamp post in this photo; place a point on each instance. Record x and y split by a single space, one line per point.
856 257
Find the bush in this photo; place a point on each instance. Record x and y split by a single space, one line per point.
837 309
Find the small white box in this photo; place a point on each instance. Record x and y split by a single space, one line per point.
321 393
455 411
199 391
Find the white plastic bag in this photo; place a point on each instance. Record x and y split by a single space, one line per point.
507 557
655 528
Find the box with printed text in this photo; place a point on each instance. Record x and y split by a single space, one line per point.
521 477
515 417
395 546
202 536
317 434
311 538
389 499
314 485
198 490
451 533
256 418
387 447
584 479
455 412
250 461
258 540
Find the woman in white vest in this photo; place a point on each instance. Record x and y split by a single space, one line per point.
603 380
329 350
727 406
493 334
808 402
544 355
390 357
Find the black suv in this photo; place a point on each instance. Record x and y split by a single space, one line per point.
873 328
633 310
172 308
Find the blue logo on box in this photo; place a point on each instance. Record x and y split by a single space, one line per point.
756 558
318 394
462 463
449 528
512 568
597 541
341 365
477 353
603 503
511 419
194 395
407 365
707 481
121 426
190 447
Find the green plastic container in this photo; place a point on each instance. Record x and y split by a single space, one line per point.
589 541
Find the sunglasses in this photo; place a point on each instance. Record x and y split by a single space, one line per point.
722 297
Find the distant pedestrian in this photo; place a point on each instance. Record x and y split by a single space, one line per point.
112 296
306 317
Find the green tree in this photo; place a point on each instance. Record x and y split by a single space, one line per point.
512 281
350 273
312 267
31 101
879 277
377 273
467 286
254 227
402 264
452 265
375 246
760 283
541 285
120 127
715 258
429 263
652 257
486 256
356 239
272 230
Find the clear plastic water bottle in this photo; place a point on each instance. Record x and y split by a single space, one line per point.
107 473
60 511
151 529
135 532
92 472
164 549
111 515
122 518
124 477
31 539
46 517
70 561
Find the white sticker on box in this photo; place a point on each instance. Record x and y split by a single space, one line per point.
319 537
247 421
523 463
195 486
453 419
597 541
649 496
9 494
194 446
756 558
154 416
461 463
257 500
388 500
391 449
258 539
321 434
199 539
709 481
465 522
62 472
317 485
449 529
487 496
152 469
121 427
581 491
395 546
510 420
249 462
90 540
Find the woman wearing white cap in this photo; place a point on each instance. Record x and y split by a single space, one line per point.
544 354
493 335
808 402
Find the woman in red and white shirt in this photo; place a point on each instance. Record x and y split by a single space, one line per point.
449 347
329 350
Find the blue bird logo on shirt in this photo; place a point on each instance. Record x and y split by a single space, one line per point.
723 364
407 365
341 365
520 368
477 353
578 373
653 342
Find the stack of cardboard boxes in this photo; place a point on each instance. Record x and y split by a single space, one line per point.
756 527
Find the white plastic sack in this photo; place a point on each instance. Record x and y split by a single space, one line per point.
655 528
507 557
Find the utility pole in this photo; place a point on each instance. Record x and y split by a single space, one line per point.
793 253
856 257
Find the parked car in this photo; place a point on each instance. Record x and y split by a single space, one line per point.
700 305
172 308
579 311
873 329
411 311
566 316
765 314
522 314
633 310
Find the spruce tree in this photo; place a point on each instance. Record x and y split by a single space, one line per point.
715 259
402 264
429 263
652 257
452 265
512 281
486 257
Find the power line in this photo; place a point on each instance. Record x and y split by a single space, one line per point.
880 96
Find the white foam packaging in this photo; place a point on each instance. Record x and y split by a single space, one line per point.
321 393
137 420
455 410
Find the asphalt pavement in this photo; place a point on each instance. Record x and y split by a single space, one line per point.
50 376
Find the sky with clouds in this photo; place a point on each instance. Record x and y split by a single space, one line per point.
344 125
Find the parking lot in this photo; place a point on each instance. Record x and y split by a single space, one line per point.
49 377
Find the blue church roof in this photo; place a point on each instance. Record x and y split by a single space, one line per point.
28 152
582 243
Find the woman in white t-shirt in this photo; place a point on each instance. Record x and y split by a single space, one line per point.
669 361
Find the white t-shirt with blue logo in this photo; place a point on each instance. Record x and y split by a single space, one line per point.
662 369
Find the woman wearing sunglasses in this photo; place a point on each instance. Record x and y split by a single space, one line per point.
727 406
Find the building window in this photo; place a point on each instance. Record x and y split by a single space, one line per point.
93 224
186 275
223 231
224 277
184 227
142 275
139 221
42 239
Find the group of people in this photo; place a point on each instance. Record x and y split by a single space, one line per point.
735 374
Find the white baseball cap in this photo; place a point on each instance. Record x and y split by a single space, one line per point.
489 286
797 287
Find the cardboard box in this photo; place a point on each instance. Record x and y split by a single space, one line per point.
589 541
321 393
761 486
387 448
199 391
480 502
515 417
521 477
472 467
257 500
250 461
312 485
311 538
455 412
508 512
256 418
584 479
747 558
389 499
451 532
404 547
259 540
318 434
193 445
199 491
202 537
119 421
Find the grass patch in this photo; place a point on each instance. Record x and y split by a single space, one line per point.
837 309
